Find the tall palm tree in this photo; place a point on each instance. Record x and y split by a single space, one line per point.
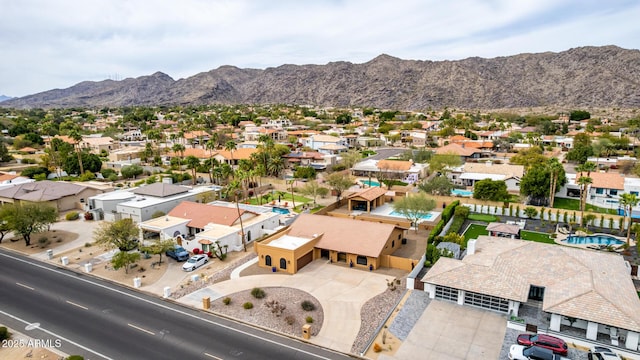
211 146
555 168
235 187
192 163
583 182
77 137
230 146
628 201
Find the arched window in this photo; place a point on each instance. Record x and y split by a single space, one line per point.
283 263
267 260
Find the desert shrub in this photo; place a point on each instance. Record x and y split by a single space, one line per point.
290 319
258 293
4 333
73 215
43 241
307 305
226 300
308 319
248 305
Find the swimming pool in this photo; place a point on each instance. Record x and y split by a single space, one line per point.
459 192
370 183
280 210
592 240
397 214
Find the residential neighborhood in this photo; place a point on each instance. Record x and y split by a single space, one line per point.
384 218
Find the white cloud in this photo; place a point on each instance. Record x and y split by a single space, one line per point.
55 44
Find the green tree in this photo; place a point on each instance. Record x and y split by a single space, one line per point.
581 150
27 219
488 189
124 259
442 162
588 219
628 201
131 171
530 212
339 182
77 137
192 163
304 172
120 234
557 178
312 188
414 208
158 247
350 158
439 185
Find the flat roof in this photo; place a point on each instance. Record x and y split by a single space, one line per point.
289 242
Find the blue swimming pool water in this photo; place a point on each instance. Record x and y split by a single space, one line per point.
280 210
458 192
397 214
592 240
370 183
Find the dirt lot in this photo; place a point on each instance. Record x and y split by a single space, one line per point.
52 238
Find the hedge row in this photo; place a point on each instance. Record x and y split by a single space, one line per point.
444 218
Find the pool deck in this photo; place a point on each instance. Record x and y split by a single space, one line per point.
563 236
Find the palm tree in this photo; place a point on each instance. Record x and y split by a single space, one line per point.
75 135
230 146
555 167
178 148
628 201
211 145
583 182
234 186
275 166
192 163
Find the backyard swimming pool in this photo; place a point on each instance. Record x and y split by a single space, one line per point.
459 192
280 210
370 183
592 240
397 214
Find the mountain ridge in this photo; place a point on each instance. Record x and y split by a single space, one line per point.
605 76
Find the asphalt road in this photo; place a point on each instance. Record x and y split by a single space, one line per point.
80 314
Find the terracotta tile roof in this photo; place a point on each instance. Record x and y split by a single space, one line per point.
589 285
203 214
7 177
459 138
455 149
394 165
238 154
343 235
604 180
503 228
41 191
368 194
489 168
196 134
479 144
160 189
197 152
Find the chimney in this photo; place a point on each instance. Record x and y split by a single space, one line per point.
471 247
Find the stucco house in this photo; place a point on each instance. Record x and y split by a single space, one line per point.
62 195
589 291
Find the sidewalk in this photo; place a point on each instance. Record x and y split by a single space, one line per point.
341 291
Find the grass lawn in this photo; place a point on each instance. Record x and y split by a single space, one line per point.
536 236
475 230
285 198
573 204
482 217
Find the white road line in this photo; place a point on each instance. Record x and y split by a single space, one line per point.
213 356
78 305
141 329
177 311
25 286
56 335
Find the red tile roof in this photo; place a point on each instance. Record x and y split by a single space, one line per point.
203 214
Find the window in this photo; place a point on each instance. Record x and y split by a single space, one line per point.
283 263
361 260
267 260
393 243
633 193
599 191
613 192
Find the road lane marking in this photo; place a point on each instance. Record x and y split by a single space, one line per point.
25 286
56 335
166 307
141 329
78 305
213 356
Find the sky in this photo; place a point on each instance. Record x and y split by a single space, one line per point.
49 44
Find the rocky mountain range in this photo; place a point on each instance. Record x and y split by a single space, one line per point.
584 77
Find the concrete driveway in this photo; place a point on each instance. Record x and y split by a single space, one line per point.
341 291
447 331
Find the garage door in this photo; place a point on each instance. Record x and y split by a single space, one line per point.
305 259
446 293
486 301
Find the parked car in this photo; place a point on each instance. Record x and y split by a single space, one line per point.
602 353
195 262
552 343
178 253
521 352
